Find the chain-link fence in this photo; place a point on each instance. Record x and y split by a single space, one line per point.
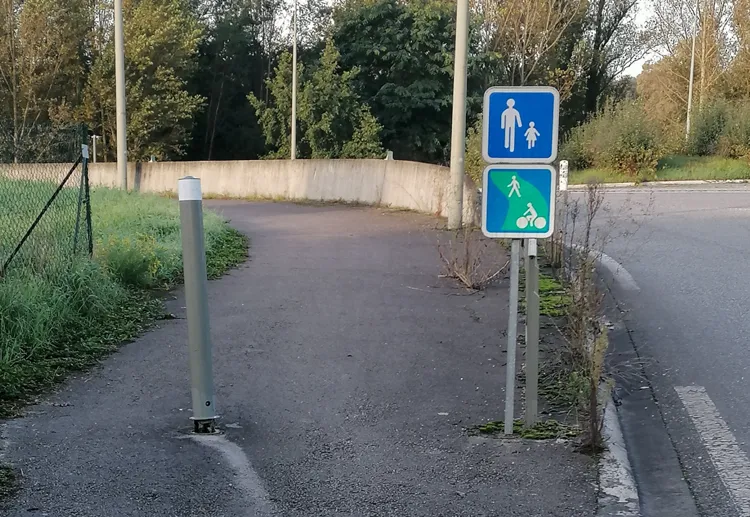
45 212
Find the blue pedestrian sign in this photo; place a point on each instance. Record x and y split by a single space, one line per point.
520 124
518 201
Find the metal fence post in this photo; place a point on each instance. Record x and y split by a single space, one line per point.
196 300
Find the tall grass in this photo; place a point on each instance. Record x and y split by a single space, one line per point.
61 315
674 168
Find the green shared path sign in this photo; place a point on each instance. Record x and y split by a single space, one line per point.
518 201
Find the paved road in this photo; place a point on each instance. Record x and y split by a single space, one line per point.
345 374
690 321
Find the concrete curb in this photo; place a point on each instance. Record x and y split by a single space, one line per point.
618 494
647 184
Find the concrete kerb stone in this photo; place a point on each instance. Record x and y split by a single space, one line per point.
647 184
617 491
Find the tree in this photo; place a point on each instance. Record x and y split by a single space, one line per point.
404 53
160 54
613 44
333 121
274 115
337 123
672 25
231 62
663 87
738 74
42 66
526 32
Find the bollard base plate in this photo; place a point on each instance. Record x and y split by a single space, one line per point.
204 426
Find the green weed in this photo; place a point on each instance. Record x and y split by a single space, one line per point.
8 482
554 299
544 430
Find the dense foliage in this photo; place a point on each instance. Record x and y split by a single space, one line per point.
630 139
211 79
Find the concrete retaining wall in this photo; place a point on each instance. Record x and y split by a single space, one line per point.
392 183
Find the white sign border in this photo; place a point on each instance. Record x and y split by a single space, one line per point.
486 123
552 209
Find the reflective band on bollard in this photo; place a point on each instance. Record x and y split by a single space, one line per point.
196 301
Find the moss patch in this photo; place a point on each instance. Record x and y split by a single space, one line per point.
545 430
8 482
554 299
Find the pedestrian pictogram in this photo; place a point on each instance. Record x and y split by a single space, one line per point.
515 187
508 121
520 124
531 135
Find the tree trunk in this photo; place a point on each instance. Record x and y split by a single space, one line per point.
594 80
216 119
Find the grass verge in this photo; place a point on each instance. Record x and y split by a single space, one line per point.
544 430
8 482
59 317
673 168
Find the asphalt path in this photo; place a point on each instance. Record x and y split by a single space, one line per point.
346 374
685 299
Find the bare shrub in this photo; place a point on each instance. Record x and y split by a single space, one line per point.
470 258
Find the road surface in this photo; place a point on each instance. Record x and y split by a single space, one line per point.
346 372
685 302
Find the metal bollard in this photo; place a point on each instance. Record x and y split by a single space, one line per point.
196 300
564 169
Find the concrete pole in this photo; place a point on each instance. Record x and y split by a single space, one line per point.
294 87
458 134
122 132
690 84
532 333
196 301
510 370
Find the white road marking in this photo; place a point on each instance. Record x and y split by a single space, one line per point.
247 480
730 460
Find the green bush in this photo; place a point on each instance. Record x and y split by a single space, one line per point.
708 125
620 138
734 141
577 148
474 163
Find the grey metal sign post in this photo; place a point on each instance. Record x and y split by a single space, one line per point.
510 379
532 333
196 300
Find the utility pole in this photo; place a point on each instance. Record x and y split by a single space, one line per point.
458 133
294 87
122 132
692 75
